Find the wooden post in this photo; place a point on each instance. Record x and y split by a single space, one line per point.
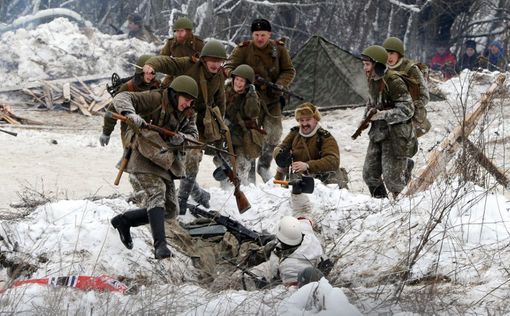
444 152
485 162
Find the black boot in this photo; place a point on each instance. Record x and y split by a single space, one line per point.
378 192
157 221
123 222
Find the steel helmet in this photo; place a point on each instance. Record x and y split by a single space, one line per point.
289 231
244 71
186 85
394 44
140 62
214 48
376 53
183 23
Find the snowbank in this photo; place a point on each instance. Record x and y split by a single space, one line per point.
60 49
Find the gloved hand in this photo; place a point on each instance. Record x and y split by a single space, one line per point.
104 139
282 157
176 140
252 89
136 119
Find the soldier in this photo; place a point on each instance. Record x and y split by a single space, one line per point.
243 109
138 30
298 248
183 44
392 136
210 107
308 149
148 166
140 82
270 60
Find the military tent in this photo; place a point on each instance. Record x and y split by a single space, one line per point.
327 75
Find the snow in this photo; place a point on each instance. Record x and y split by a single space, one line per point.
450 240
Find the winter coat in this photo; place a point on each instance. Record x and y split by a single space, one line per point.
394 124
494 62
156 107
190 47
288 266
320 150
469 62
133 85
212 84
272 62
444 63
241 117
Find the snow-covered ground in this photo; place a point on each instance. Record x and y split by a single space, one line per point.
442 251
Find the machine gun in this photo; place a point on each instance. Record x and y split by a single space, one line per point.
241 233
305 184
117 81
277 87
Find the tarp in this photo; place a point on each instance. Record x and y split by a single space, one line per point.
327 75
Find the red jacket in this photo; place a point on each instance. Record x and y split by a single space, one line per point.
445 63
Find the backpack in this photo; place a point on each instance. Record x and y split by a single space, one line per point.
420 122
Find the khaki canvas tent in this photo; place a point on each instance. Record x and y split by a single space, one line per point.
327 76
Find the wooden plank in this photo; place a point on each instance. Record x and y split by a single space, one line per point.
84 86
99 106
83 106
66 90
438 159
485 162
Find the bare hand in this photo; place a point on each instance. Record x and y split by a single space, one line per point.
299 166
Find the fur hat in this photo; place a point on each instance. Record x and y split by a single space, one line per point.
260 25
307 109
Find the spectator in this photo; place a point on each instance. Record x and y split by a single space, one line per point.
494 57
444 61
470 58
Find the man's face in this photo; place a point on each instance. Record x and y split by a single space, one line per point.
261 38
180 35
441 50
393 58
148 76
307 124
368 67
239 84
213 64
184 102
470 51
494 49
133 26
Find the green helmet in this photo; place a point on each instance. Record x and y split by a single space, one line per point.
394 44
244 71
186 85
376 53
214 48
183 23
140 62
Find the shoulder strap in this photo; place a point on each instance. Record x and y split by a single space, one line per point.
131 85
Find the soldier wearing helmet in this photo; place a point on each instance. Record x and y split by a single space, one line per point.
270 60
298 248
138 30
148 166
139 82
392 136
183 44
243 109
209 106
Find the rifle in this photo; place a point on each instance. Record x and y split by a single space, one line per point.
364 124
260 281
276 87
165 132
116 29
240 232
116 83
8 132
123 165
242 201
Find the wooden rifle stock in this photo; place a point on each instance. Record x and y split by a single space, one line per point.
123 165
241 200
364 124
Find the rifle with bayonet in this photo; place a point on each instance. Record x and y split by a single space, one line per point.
240 232
277 87
9 132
